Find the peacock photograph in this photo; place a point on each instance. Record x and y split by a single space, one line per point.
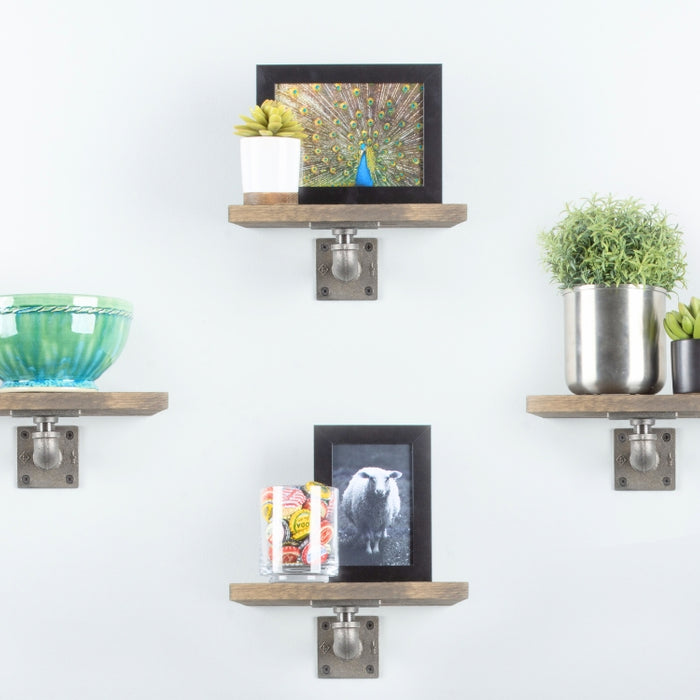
359 134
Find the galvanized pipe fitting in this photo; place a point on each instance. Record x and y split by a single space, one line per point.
346 262
644 456
346 634
47 451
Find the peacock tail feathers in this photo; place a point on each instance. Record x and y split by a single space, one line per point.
367 134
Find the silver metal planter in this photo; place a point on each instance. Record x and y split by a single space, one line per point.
614 339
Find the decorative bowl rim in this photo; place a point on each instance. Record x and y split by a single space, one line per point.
73 303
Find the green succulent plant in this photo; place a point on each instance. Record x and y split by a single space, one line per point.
684 323
609 242
271 118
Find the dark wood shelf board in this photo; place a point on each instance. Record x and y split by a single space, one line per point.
82 403
615 406
328 216
345 593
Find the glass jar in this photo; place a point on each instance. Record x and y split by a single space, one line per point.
299 532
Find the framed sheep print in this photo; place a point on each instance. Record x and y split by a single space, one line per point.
382 473
374 132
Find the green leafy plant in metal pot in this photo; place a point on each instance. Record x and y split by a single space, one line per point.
684 323
270 119
609 242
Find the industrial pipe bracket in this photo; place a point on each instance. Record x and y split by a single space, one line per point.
645 457
348 645
47 454
346 267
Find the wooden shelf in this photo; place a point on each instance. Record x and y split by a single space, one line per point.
81 403
328 216
350 593
618 406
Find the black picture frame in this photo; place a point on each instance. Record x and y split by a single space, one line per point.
428 75
340 451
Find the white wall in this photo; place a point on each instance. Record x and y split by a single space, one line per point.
118 164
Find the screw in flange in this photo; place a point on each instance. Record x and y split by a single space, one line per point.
325 291
369 247
25 478
622 481
666 481
666 437
325 246
69 479
369 291
69 434
369 624
369 669
621 437
325 670
325 625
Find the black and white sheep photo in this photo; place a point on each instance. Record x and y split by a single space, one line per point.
371 503
349 459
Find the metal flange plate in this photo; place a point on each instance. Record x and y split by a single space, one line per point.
364 288
366 665
65 476
663 478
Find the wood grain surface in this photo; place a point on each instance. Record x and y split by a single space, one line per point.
82 403
348 215
605 405
331 594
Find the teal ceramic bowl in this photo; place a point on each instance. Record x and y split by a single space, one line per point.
60 341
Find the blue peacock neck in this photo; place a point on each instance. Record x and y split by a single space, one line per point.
363 178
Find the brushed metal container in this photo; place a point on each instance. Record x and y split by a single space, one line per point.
685 366
614 339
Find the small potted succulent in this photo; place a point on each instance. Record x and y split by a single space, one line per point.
270 154
615 260
683 328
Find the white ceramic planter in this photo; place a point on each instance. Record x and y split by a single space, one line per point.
270 169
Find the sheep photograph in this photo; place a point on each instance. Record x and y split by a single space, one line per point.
374 520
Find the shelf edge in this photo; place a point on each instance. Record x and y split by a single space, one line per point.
362 216
332 594
616 406
97 403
